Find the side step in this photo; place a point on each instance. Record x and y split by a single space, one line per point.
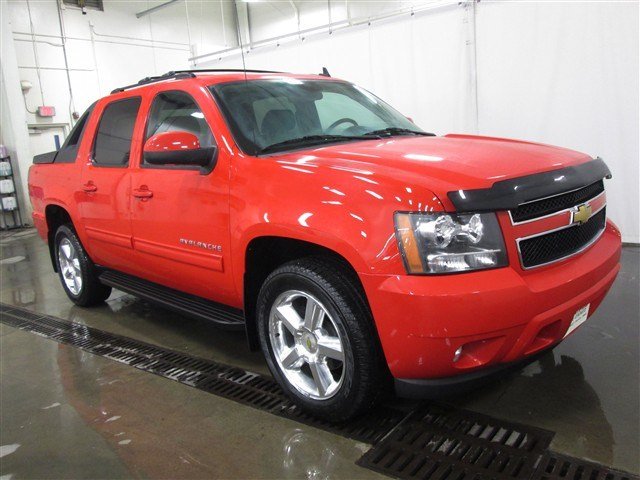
190 305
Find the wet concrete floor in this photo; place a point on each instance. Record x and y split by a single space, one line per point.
68 414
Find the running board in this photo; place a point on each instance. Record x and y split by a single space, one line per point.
190 305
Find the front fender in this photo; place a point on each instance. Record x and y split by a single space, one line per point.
347 210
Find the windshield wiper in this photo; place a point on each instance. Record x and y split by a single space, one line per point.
390 131
314 140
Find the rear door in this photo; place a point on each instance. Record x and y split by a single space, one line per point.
180 215
105 189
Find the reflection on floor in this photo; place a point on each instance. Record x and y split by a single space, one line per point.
68 414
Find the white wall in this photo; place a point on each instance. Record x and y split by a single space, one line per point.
564 73
105 49
567 74
13 122
270 19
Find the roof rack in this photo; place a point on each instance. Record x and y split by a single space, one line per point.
158 78
210 70
179 74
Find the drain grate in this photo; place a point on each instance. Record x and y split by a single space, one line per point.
441 442
553 466
232 383
434 441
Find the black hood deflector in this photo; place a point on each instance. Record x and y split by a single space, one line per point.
509 194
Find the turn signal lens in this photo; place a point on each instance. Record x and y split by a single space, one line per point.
407 239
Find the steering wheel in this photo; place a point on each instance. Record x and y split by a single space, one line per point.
341 121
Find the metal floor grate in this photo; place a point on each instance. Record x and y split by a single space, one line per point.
233 383
445 443
433 441
554 466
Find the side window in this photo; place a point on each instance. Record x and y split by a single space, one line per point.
177 111
69 150
115 131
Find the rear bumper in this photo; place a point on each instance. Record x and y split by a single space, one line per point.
499 317
40 222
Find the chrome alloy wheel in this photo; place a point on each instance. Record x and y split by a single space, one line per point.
307 345
69 264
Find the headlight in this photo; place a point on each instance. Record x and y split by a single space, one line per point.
448 243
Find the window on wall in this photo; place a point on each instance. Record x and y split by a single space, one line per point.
177 111
115 131
95 4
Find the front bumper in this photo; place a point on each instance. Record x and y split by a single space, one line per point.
498 316
447 386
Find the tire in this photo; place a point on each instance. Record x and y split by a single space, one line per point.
343 316
76 270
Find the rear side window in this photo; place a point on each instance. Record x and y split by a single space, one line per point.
178 111
69 150
115 131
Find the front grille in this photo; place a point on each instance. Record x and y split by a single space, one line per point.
562 243
550 205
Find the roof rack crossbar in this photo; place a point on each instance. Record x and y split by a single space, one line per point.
177 74
158 78
222 70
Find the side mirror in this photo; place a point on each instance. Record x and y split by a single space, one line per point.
179 149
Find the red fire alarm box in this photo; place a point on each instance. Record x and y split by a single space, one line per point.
45 111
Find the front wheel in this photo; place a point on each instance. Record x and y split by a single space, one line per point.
318 338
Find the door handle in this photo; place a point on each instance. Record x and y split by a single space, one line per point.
89 187
142 192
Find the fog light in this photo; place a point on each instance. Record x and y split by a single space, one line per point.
456 355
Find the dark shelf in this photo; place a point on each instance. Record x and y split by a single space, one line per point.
13 212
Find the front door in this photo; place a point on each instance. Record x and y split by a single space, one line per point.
105 189
180 214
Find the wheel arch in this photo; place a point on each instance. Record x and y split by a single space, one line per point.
55 215
265 253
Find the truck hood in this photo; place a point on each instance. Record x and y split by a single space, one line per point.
442 164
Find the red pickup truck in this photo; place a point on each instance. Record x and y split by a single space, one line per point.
354 248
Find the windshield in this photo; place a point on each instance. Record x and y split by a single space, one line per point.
287 113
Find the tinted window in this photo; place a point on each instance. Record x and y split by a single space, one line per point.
264 113
113 140
177 111
334 106
69 150
77 131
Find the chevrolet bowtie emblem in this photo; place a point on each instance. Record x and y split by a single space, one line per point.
581 214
